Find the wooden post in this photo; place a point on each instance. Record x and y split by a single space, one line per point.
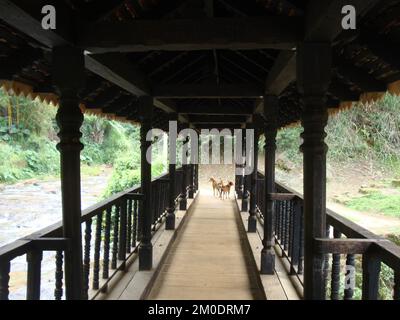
313 78
69 79
270 131
183 195
371 266
145 247
252 222
191 180
245 193
170 219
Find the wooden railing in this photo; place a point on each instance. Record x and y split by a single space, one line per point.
346 243
110 237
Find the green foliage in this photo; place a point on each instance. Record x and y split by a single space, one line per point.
126 172
368 132
28 138
288 141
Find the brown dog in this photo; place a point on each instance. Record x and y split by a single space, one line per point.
226 190
216 186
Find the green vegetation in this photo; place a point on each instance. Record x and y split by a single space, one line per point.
366 132
28 139
377 202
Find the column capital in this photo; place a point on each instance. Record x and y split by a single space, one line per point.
314 61
145 108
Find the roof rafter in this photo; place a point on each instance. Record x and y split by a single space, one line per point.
192 34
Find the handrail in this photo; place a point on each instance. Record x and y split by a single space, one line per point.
288 233
389 251
116 236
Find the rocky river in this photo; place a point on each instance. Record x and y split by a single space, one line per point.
29 206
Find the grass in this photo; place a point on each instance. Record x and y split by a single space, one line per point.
377 202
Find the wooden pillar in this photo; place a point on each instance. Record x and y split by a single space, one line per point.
170 219
183 195
270 131
313 78
145 247
191 180
245 192
69 79
252 222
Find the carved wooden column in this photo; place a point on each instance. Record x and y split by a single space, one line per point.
245 192
69 79
191 180
252 222
170 219
313 78
270 131
183 195
145 247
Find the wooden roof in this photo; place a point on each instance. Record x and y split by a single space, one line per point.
211 61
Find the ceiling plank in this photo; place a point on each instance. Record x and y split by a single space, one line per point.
26 17
207 91
217 119
192 34
212 109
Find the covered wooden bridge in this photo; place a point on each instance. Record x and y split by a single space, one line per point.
250 64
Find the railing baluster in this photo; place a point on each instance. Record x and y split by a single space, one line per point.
301 249
86 259
291 229
5 267
279 220
122 232
129 228
107 233
350 277
295 252
335 275
371 267
115 238
59 274
97 247
287 224
135 223
34 259
326 263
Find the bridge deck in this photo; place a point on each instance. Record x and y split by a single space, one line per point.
212 258
209 260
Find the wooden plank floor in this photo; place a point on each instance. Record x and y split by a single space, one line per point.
209 259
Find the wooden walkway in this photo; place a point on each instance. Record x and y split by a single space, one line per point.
209 259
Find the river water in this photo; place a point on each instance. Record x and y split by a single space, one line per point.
29 206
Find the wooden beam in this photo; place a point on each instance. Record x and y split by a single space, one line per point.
324 18
345 246
208 91
283 73
217 119
208 126
26 17
212 108
193 34
117 69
